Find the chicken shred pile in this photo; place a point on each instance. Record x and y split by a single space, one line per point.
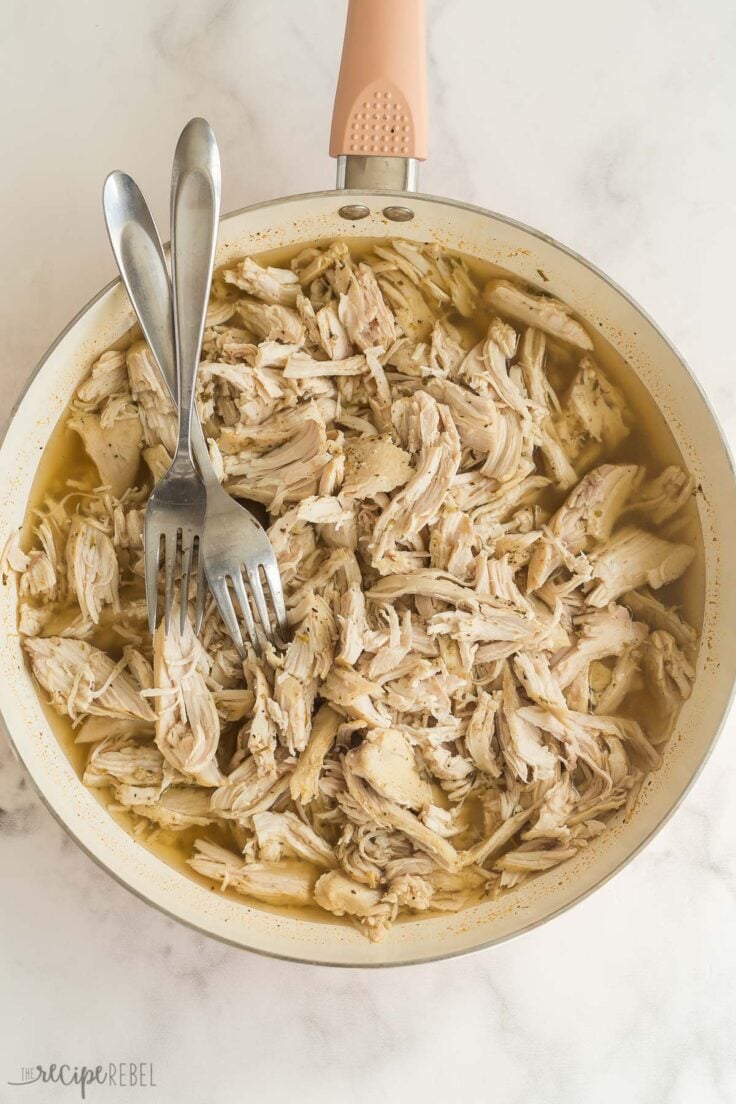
481 673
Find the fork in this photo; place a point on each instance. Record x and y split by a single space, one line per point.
177 507
232 536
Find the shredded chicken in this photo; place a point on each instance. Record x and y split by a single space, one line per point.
470 543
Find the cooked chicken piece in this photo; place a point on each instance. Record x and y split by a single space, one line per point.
590 511
429 583
604 633
512 439
178 807
271 354
187 724
486 367
304 782
309 655
447 351
646 607
115 451
409 891
108 376
94 729
453 544
408 305
524 862
312 263
354 695
295 700
342 896
155 407
278 428
127 527
632 558
31 621
246 792
515 628
594 410
270 285
281 883
534 674
475 416
502 835
219 311
80 679
272 322
324 510
669 670
331 333
352 626
575 733
452 892
302 366
541 311
419 502
93 568
463 292
474 371
557 804
157 461
661 498
307 662
13 558
532 351
363 311
623 679
490 504
386 761
260 733
284 834
521 743
119 759
577 694
374 465
390 648
39 579
385 812
285 474
480 736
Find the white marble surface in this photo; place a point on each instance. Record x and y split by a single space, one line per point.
611 127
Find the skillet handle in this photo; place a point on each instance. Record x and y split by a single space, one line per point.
380 111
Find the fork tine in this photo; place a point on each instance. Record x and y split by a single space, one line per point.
259 598
224 602
201 590
169 568
186 569
151 558
276 590
242 596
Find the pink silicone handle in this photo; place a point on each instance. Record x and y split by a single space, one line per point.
381 99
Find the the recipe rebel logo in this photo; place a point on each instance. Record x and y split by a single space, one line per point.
116 1075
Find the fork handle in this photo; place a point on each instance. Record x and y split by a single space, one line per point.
140 259
195 212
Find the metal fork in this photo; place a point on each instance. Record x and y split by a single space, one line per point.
233 539
177 506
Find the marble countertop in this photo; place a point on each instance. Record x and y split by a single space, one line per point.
609 126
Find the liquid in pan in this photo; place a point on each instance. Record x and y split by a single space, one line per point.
493 564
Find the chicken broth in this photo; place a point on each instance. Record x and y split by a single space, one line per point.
398 358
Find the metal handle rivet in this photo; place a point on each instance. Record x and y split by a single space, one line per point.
398 214
353 211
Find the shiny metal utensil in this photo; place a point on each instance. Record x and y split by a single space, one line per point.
233 539
177 507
